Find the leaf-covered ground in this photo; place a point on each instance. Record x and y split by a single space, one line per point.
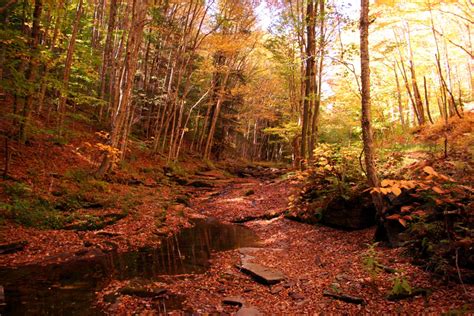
314 259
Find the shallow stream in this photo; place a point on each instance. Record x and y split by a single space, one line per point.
69 288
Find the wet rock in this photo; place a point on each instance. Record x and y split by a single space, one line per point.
356 212
248 311
234 301
261 273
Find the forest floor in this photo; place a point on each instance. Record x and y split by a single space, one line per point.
146 201
314 259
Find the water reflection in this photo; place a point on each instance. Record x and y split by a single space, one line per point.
68 289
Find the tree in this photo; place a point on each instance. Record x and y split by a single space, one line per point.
367 134
122 108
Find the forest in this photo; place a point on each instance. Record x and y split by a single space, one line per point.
236 157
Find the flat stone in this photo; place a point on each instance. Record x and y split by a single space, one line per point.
261 273
296 296
248 311
234 301
276 289
248 250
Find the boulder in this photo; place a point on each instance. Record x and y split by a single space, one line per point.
356 212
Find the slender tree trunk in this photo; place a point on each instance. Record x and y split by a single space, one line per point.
107 57
33 69
399 96
119 130
309 77
212 129
319 81
427 101
67 68
367 135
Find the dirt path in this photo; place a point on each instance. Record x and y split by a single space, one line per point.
313 258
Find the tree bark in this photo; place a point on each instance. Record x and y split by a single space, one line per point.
309 77
367 135
32 71
67 68
125 84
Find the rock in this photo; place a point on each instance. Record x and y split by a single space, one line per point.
234 301
12 247
357 212
276 289
248 311
248 250
296 296
261 273
345 298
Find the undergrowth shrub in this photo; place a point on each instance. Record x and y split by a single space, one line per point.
334 171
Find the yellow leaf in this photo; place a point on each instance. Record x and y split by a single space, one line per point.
396 191
385 183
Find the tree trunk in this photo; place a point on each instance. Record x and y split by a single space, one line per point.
32 71
67 68
107 57
366 107
399 97
125 84
309 77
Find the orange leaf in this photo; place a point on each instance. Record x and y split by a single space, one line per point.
419 213
393 216
406 208
386 183
403 222
438 190
429 170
